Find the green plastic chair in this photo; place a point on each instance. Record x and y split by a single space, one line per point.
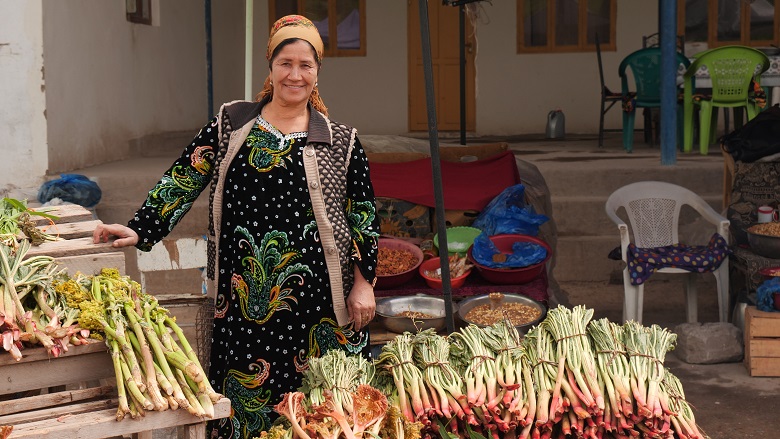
645 65
732 69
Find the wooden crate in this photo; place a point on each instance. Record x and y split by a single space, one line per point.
79 399
75 251
74 395
762 342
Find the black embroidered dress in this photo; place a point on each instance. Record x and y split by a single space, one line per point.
274 309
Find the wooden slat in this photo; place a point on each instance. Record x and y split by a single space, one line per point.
54 413
39 353
70 247
50 414
762 324
91 264
67 213
764 367
765 347
53 399
37 371
102 423
81 229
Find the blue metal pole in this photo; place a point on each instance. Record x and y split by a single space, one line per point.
668 36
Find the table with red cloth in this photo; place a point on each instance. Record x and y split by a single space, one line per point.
466 186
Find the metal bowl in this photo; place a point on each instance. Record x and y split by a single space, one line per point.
387 311
764 245
468 304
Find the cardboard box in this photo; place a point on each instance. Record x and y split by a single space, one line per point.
762 342
403 218
455 218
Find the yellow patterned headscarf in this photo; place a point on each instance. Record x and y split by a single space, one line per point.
295 26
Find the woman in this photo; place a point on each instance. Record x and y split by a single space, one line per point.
292 229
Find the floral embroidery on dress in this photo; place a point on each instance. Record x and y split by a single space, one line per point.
266 285
269 147
327 335
173 196
250 402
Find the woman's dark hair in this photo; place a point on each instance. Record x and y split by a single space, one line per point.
281 45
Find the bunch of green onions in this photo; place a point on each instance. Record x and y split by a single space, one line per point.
155 366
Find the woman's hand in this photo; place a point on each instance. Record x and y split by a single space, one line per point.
360 303
126 236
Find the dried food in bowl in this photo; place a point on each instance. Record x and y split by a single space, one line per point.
487 309
397 262
769 272
764 239
460 269
511 276
393 313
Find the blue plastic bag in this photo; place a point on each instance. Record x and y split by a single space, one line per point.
73 188
524 254
508 213
765 299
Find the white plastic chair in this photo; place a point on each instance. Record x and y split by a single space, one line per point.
653 209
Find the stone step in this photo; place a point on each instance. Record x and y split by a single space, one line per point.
194 223
586 216
601 178
584 258
169 144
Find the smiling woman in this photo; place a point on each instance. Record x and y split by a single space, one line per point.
293 231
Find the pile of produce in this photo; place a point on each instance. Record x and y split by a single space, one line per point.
16 223
29 311
41 304
568 377
155 366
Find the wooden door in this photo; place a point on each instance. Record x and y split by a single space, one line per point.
446 71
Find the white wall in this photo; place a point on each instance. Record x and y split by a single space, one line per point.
109 81
22 99
367 92
516 91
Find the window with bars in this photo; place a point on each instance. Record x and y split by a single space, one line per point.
565 25
341 23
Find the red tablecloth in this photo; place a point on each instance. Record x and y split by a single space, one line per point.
466 186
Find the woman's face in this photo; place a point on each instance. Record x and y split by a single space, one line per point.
294 73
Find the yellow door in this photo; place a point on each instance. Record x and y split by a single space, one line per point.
445 57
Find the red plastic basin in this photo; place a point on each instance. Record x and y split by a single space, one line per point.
513 276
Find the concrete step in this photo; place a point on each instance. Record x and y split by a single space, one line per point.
194 223
585 215
168 145
584 258
603 176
